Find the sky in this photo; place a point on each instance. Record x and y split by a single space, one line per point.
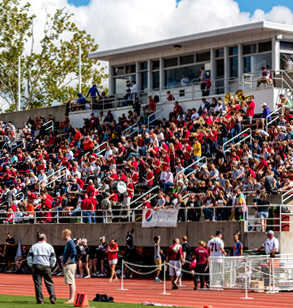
120 23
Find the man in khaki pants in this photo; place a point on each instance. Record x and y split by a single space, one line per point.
69 264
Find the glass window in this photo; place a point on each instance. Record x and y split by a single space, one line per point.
286 61
255 63
173 76
266 46
247 49
170 62
233 51
122 82
130 69
143 66
203 56
119 70
144 80
156 80
155 65
234 67
286 45
220 53
186 59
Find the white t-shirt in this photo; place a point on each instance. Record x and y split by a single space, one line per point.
271 244
215 246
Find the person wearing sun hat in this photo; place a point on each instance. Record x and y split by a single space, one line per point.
271 244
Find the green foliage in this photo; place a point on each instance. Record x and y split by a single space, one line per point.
51 74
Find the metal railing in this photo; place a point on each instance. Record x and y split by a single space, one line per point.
249 136
287 196
94 149
155 116
133 129
277 111
49 125
49 177
144 194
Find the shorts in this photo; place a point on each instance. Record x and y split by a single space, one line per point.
159 264
126 201
114 261
69 273
174 268
249 119
263 214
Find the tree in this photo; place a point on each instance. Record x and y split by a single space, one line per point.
50 74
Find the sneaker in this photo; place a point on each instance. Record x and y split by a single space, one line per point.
101 275
124 276
175 287
87 276
60 274
94 275
53 301
77 276
157 279
130 276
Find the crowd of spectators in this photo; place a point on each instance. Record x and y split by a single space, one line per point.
46 175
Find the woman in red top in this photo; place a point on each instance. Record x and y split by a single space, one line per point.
202 263
112 253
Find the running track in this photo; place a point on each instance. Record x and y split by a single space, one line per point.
147 290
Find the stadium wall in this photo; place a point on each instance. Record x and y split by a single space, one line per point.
18 117
143 237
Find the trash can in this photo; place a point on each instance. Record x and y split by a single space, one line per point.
285 223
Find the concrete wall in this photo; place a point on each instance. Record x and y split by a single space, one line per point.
195 231
18 117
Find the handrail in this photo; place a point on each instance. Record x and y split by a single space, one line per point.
49 127
50 176
287 194
204 164
20 193
192 164
159 111
135 125
238 143
141 196
237 136
49 183
270 116
94 149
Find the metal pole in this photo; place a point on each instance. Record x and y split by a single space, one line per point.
122 280
79 66
246 291
164 282
19 83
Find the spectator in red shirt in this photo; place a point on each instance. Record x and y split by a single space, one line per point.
201 256
250 104
86 207
175 257
112 253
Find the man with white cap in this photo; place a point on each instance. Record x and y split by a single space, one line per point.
265 114
271 245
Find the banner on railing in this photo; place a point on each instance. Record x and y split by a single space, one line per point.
159 218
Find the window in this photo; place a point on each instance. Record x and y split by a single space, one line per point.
255 63
266 46
286 45
234 67
247 49
233 51
156 65
130 69
186 59
121 83
144 80
143 66
119 70
170 62
156 80
220 53
202 57
173 76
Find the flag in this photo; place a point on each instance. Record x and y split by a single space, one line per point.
18 252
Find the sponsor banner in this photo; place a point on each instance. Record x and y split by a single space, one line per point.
159 218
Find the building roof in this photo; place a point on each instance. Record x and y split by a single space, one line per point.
228 32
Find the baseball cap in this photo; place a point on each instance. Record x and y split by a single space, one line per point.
102 237
219 232
271 232
264 104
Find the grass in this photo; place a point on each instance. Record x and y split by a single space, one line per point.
16 301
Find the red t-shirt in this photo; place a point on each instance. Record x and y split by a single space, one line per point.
250 109
149 176
201 254
172 255
112 255
129 193
86 204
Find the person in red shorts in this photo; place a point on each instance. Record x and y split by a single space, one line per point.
175 257
112 253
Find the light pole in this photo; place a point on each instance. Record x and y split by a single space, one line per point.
79 66
19 84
